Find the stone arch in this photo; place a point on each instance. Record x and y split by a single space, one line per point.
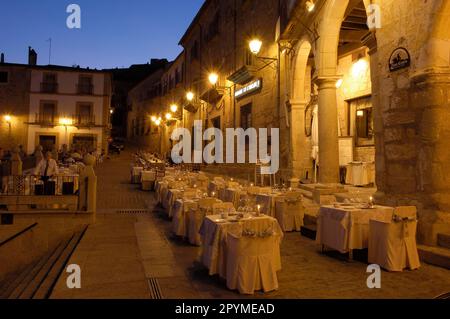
300 63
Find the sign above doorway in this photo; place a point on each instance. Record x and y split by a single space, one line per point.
252 87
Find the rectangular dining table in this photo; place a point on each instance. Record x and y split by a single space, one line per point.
345 227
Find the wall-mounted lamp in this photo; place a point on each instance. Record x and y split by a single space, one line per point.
255 46
168 116
213 78
65 121
190 96
174 108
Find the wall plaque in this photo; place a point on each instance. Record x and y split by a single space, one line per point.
399 59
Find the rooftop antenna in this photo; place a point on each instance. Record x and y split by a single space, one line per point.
49 51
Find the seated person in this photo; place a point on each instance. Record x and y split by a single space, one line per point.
47 168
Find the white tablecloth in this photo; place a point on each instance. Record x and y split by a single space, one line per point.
267 202
346 227
360 173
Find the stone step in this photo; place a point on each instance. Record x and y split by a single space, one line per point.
444 240
437 256
46 287
14 280
27 276
309 231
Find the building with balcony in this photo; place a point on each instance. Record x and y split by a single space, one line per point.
68 106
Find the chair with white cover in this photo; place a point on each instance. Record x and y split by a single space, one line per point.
392 245
290 212
196 217
251 265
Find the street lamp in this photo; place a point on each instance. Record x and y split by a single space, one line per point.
153 118
168 116
213 78
64 121
174 108
255 46
190 96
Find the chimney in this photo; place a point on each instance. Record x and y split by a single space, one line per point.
32 56
2 58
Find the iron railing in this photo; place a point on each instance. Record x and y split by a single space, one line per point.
32 185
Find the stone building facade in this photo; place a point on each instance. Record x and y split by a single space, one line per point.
371 76
14 105
69 106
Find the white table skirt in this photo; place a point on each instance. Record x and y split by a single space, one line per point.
347 227
214 237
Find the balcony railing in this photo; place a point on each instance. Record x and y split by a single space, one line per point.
83 120
46 119
49 87
85 89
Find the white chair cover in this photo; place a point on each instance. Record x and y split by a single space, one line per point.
223 206
392 245
290 213
250 264
196 217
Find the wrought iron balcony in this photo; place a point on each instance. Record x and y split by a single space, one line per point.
80 120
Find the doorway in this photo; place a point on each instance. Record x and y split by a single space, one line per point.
48 142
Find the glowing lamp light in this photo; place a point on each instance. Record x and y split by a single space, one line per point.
255 46
174 108
168 116
360 113
359 67
339 83
7 118
189 96
111 111
213 78
65 121
153 118
157 122
310 5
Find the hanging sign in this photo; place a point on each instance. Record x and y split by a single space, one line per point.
248 89
399 59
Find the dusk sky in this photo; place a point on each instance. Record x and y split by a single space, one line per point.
114 33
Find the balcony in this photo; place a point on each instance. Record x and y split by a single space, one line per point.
85 89
46 119
49 87
83 120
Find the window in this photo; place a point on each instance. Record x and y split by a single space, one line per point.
360 121
213 28
49 83
246 116
85 85
84 114
47 114
194 51
4 77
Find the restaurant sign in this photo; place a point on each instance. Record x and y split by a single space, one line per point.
399 59
248 89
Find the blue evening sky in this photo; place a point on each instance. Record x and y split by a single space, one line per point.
114 33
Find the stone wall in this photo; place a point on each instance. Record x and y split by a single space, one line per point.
14 101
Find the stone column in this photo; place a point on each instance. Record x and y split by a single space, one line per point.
328 131
299 148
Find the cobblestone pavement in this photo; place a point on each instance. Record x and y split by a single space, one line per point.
123 250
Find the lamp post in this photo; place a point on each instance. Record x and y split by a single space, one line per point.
66 122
